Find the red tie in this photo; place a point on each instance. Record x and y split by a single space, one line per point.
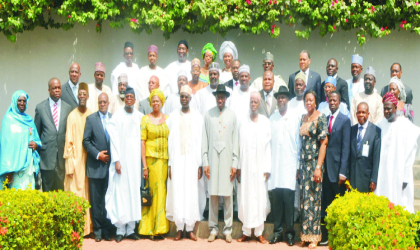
236 83
55 116
329 126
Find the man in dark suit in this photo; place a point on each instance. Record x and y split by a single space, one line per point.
96 144
70 88
342 88
396 70
365 151
268 102
51 122
313 79
337 157
232 83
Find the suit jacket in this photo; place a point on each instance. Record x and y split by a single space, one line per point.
67 95
94 141
314 83
364 170
144 107
342 88
52 140
263 106
408 91
338 149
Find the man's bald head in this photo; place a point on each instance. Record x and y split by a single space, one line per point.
103 103
268 73
54 89
103 96
75 73
153 83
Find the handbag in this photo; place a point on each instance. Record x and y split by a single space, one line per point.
146 198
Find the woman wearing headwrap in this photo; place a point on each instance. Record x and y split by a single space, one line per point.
154 153
195 84
19 139
228 53
397 88
209 54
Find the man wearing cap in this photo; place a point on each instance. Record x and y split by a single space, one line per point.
128 67
97 88
285 149
240 96
173 102
312 79
342 88
220 151
195 84
296 104
75 155
372 98
144 105
152 69
184 204
69 89
355 84
117 102
268 102
398 151
268 65
396 70
330 84
122 199
203 100
181 64
254 168
234 82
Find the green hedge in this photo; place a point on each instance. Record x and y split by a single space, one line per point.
375 18
30 219
367 221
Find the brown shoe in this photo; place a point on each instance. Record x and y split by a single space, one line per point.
178 235
262 239
243 238
192 236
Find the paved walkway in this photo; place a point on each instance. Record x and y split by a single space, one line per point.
187 244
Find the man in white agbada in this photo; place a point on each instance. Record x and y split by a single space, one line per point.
181 64
204 99
285 147
355 84
253 171
183 204
173 102
122 199
240 96
97 88
128 67
268 65
117 102
398 151
151 70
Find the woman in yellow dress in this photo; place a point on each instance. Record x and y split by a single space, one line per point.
154 153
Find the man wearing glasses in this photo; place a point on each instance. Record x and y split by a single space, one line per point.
396 70
268 65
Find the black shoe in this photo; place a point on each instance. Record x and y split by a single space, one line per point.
276 239
323 243
119 238
133 236
107 237
290 241
98 238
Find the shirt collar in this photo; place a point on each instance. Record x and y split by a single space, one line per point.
72 85
364 126
305 72
335 76
336 113
265 93
52 102
102 115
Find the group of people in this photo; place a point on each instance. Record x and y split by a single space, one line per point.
199 137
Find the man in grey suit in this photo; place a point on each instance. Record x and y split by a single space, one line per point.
71 87
268 102
96 144
365 150
51 122
144 105
396 70
313 79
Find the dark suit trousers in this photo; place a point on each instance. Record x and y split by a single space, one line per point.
97 191
53 179
283 210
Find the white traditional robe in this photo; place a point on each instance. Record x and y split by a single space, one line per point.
92 102
239 103
278 81
115 104
398 152
204 100
172 103
122 199
133 73
297 107
254 161
225 76
185 201
171 72
142 83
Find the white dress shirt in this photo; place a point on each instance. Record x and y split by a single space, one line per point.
268 97
58 110
306 76
75 91
364 126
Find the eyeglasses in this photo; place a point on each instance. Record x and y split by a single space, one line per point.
267 63
395 71
330 66
185 96
128 53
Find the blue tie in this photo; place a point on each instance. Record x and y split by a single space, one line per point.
75 93
104 125
359 138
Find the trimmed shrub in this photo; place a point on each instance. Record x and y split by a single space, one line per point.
30 219
367 221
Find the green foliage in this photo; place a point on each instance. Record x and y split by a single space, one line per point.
217 16
30 219
367 221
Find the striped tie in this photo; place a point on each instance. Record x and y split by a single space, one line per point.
359 138
55 116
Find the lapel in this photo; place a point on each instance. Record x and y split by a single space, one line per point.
99 120
48 108
273 104
336 122
353 139
309 85
63 119
70 91
365 138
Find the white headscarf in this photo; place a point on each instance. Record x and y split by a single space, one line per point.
228 47
403 96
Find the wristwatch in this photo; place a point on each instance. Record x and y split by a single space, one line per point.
318 167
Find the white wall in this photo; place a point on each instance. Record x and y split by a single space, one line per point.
42 54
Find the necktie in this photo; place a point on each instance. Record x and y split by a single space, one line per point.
359 138
267 101
55 116
236 83
75 93
104 124
330 125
